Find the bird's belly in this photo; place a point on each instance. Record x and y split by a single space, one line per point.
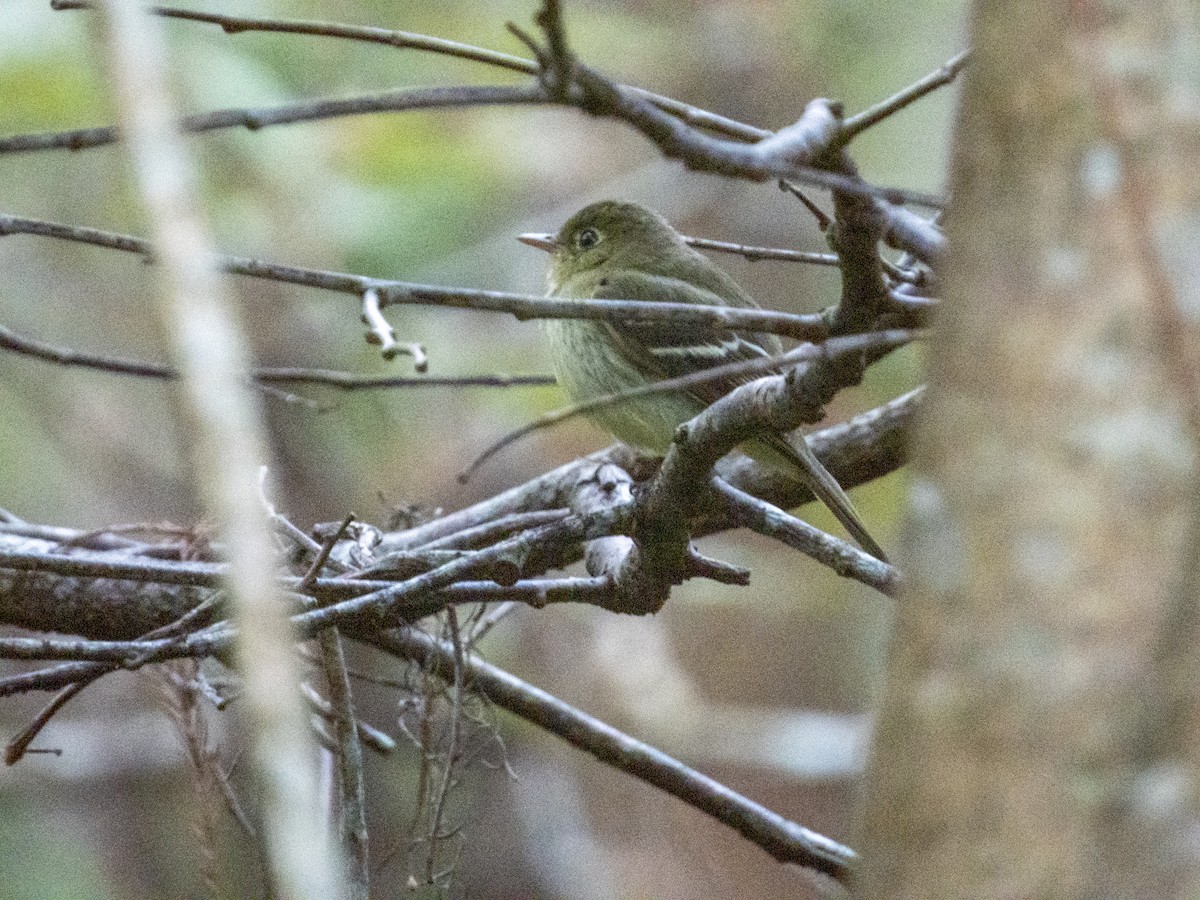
588 366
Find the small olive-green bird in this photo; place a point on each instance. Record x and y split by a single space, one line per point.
622 251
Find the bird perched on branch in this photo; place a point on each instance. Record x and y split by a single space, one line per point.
622 251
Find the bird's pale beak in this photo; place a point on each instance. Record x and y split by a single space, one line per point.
541 241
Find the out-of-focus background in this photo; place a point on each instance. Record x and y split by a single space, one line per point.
764 688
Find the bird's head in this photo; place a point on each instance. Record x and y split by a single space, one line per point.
605 234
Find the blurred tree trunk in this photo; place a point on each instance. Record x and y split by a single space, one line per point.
1039 735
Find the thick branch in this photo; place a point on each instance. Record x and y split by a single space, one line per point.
120 596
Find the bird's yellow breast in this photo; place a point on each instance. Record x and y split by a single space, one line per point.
588 366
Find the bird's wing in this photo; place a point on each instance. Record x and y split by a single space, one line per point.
669 349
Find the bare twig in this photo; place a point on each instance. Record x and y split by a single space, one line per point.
522 306
489 532
452 750
843 558
352 808
288 114
823 220
66 356
787 153
48 679
557 70
379 331
490 620
18 746
796 356
856 124
346 381
756 253
322 557
371 737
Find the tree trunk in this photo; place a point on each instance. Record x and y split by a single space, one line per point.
1038 732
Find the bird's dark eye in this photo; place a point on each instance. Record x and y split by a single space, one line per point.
587 239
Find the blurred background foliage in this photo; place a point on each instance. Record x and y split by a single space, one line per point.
762 687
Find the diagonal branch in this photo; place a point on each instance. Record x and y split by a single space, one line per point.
669 502
946 74
786 841
743 368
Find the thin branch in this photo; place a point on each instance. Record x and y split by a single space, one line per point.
804 353
757 253
403 40
348 381
323 552
452 745
489 532
489 621
522 306
558 70
352 807
254 119
344 381
127 654
843 558
822 218
856 124
379 741
380 332
49 679
18 746
66 356
787 153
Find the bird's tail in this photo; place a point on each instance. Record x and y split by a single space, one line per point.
804 464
